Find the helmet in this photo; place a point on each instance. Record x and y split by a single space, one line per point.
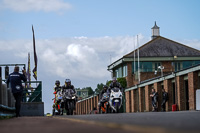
105 86
57 82
114 79
67 80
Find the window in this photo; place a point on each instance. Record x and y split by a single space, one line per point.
145 66
178 66
116 73
156 65
187 64
125 71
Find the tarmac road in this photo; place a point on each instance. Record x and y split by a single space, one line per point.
149 122
182 121
51 125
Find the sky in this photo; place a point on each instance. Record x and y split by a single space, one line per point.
78 39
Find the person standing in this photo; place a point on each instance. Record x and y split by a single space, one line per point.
15 79
154 96
164 99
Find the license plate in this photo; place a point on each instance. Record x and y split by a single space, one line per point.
116 101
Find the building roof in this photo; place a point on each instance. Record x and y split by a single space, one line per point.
163 47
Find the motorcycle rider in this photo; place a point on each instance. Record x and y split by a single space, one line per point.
68 85
114 83
57 88
105 90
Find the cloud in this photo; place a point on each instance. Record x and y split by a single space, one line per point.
36 5
81 58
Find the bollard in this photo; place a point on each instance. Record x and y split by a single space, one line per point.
5 95
9 97
1 95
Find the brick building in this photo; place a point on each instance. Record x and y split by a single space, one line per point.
160 51
167 58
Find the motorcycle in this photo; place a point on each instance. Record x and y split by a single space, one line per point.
115 99
105 108
57 110
69 101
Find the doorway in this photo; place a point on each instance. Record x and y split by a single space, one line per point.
173 93
186 94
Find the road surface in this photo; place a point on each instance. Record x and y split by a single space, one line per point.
150 122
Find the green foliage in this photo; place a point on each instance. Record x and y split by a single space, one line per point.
90 91
123 82
99 88
108 83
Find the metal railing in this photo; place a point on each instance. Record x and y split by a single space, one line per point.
32 93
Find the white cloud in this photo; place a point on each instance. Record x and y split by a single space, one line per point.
36 5
79 57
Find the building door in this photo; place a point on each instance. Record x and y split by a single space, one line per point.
186 95
174 93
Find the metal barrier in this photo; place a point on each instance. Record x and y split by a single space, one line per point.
32 93
6 101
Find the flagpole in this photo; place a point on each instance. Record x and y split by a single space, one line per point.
35 57
134 52
138 61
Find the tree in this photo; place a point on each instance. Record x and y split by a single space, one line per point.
99 88
77 88
90 91
123 82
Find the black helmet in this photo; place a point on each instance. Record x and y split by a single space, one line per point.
105 86
67 80
57 82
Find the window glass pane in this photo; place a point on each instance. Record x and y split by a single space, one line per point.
196 62
116 73
120 72
124 71
146 66
136 67
187 64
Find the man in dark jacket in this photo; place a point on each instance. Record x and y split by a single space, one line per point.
164 99
15 79
154 97
68 85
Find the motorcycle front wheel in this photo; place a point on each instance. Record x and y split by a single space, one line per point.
117 107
